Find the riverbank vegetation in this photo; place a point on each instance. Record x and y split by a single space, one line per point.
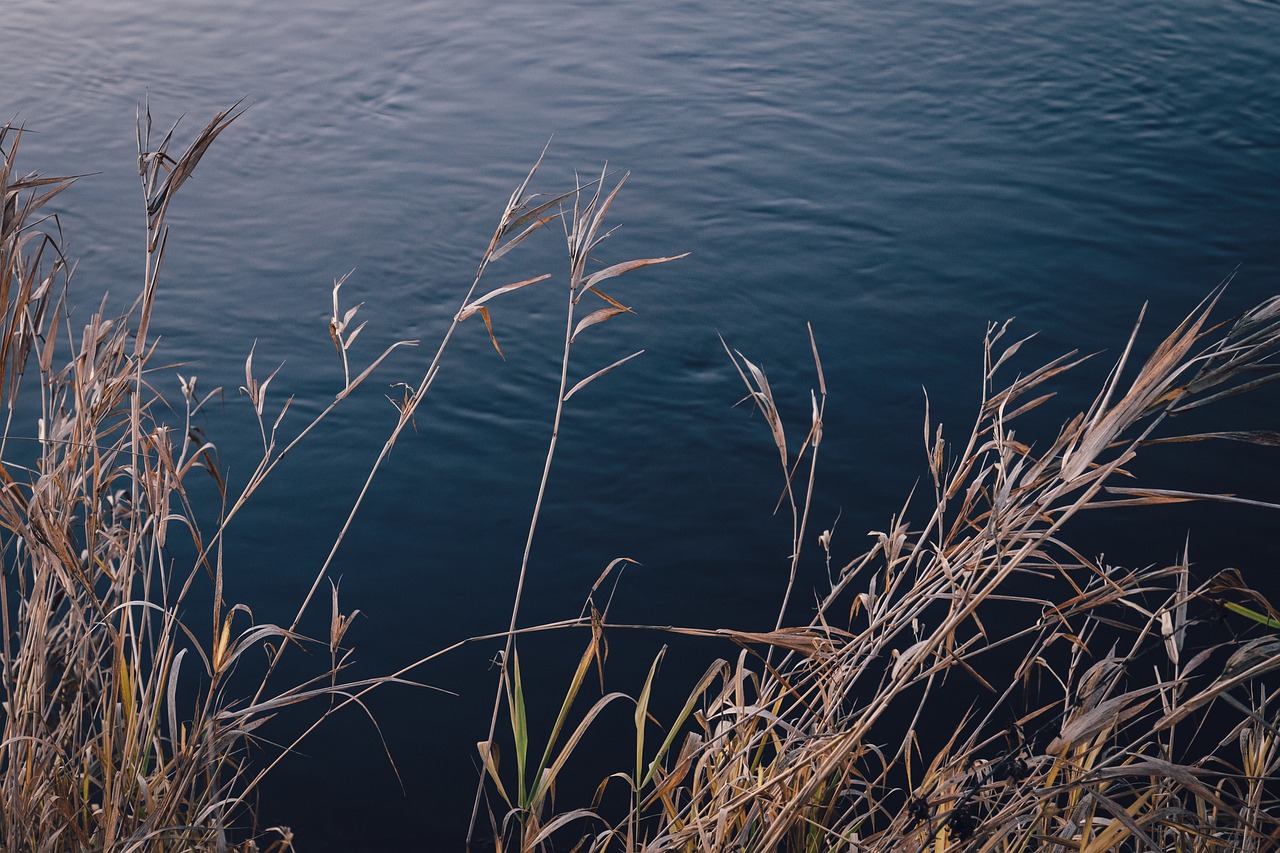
971 682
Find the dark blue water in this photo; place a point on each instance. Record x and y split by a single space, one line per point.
896 174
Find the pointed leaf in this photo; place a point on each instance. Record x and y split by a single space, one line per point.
519 238
488 324
489 758
248 369
172 705
606 297
575 737
560 820
764 399
817 362
597 317
351 339
1266 437
598 213
351 312
1250 613
642 712
519 725
372 367
571 695
677 725
474 306
627 266
262 390
593 377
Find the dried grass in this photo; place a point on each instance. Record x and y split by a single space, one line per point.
122 731
1086 706
119 731
1094 707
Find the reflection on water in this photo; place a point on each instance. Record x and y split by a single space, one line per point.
897 174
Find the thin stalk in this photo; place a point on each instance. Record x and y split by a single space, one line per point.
511 213
528 548
799 528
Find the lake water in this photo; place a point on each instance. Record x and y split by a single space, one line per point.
898 174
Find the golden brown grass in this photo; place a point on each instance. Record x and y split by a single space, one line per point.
121 730
970 682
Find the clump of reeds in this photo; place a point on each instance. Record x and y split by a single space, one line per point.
972 681
121 729
117 730
1087 707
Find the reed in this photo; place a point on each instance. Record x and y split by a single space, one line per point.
1082 706
1104 711
122 728
119 732
109 741
1101 707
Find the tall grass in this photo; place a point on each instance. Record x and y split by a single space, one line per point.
119 731
1099 712
122 728
971 681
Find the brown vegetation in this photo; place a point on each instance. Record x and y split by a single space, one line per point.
1101 713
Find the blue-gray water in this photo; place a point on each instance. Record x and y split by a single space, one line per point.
899 174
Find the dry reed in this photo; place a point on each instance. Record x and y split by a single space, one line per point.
1103 712
1100 707
121 731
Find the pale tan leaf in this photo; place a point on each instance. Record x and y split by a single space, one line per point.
1009 352
1105 715
627 266
1159 496
473 306
597 317
519 238
906 658
351 339
1265 437
351 312
593 377
372 367
559 821
817 362
489 759
553 771
764 399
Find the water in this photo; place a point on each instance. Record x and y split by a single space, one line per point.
897 174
